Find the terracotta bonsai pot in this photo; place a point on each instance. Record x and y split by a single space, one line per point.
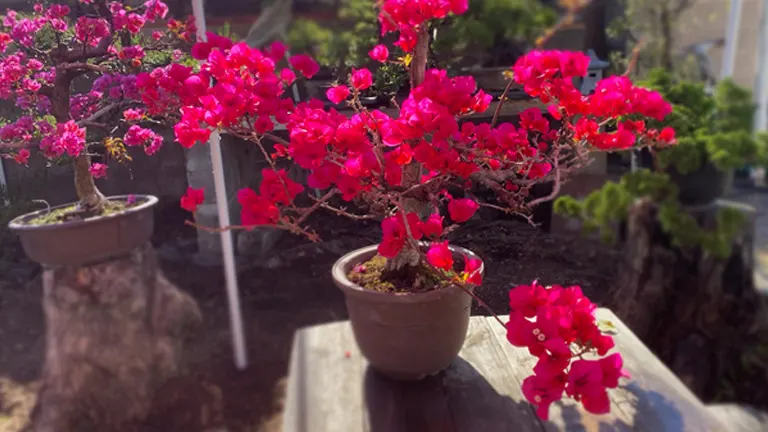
405 336
89 240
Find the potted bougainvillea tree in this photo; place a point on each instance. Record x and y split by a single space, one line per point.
113 321
409 297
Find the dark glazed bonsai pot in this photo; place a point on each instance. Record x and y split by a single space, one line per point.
701 187
405 336
90 240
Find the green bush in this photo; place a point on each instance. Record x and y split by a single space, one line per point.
710 127
490 30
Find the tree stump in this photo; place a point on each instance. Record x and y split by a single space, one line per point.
115 331
697 313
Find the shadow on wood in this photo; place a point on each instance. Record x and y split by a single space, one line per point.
457 399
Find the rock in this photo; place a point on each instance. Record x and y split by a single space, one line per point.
115 333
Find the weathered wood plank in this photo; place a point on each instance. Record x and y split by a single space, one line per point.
567 415
483 392
740 418
331 388
655 398
393 406
325 386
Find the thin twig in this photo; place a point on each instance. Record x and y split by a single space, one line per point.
482 303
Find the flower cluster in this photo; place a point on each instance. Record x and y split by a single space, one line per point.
407 16
557 324
34 70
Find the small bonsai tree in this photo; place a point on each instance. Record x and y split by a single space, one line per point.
46 55
400 168
711 129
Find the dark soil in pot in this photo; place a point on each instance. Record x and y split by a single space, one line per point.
404 335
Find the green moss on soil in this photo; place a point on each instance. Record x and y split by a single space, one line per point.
70 213
369 276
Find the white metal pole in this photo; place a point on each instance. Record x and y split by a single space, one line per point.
761 86
235 316
731 39
3 184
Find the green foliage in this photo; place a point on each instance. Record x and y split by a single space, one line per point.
390 78
604 208
345 42
656 24
710 127
491 24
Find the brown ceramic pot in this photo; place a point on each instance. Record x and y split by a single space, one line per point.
405 336
90 240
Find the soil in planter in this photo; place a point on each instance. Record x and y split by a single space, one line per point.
369 275
70 213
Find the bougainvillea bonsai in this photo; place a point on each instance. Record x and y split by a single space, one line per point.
400 168
49 53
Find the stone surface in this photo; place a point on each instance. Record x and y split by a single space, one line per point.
115 333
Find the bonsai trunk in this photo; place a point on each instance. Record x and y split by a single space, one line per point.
405 263
91 199
701 315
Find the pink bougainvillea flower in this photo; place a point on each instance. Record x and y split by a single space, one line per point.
22 157
380 53
305 64
288 76
276 51
462 210
337 93
541 392
395 233
585 382
98 170
362 79
611 367
255 209
433 226
277 187
133 114
192 199
473 270
440 256
527 299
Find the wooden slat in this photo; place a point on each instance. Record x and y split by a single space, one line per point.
740 418
654 396
331 389
567 415
483 392
326 381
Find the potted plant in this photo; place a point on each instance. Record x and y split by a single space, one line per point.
73 79
715 136
54 53
409 296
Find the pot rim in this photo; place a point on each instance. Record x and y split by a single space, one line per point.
17 224
356 256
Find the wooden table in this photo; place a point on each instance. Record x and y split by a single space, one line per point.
331 389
